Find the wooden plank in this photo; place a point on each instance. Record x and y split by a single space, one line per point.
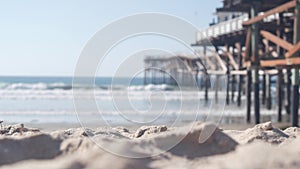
232 61
261 72
247 64
277 62
221 63
216 72
266 43
187 65
210 63
278 41
280 62
271 72
238 72
278 9
293 51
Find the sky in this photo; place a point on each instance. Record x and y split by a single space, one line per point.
46 37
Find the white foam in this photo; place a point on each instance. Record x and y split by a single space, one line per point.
35 86
27 94
151 87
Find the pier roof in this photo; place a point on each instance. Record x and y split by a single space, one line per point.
244 5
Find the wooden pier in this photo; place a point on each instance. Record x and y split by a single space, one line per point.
175 70
252 48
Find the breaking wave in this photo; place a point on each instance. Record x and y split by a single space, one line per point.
63 86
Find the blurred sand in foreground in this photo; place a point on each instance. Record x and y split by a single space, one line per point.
197 145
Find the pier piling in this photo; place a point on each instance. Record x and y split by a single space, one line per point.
279 94
248 96
288 91
295 71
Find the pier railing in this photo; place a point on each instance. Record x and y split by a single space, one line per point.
223 28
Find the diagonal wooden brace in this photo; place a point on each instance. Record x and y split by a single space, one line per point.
293 50
278 41
278 9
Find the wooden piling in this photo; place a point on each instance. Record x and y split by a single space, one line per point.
279 33
295 102
295 71
248 96
173 77
153 73
227 82
263 99
240 85
151 76
164 77
206 79
240 62
279 94
180 78
256 61
256 95
288 91
233 80
196 79
145 75
268 92
216 88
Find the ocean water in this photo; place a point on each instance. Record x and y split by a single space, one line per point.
51 100
108 102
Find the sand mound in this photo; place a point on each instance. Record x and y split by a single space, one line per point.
39 146
18 129
83 139
293 132
72 145
149 130
200 145
189 141
260 155
264 132
189 146
111 133
99 132
94 159
73 132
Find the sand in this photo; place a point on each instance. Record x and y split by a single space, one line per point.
197 145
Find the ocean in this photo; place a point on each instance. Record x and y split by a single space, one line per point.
51 100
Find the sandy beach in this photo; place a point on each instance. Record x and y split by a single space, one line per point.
196 145
150 84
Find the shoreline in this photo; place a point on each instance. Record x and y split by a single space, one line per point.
226 122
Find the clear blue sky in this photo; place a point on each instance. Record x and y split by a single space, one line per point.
45 37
